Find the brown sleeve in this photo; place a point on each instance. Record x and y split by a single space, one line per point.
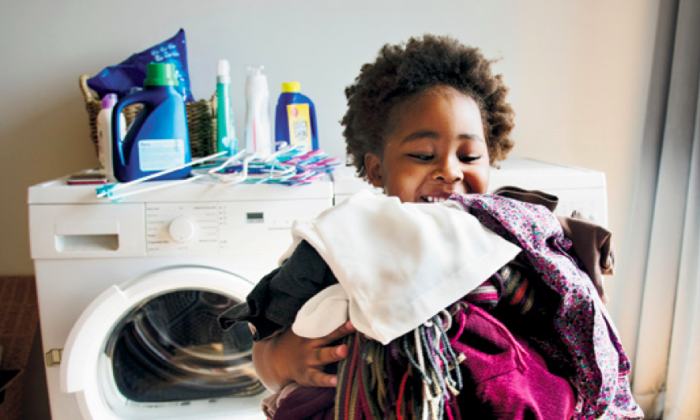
592 243
593 246
529 196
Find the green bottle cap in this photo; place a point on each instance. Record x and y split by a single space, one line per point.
160 74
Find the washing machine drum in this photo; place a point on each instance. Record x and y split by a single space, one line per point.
171 348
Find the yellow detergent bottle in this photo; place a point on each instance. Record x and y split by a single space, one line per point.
295 119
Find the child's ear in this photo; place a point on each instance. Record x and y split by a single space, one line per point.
373 166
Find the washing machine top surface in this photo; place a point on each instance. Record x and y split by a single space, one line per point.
538 175
58 191
521 172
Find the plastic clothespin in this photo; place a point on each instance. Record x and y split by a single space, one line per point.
233 177
287 153
107 191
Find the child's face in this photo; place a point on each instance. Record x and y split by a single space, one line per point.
436 146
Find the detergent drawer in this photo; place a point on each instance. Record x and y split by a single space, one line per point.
87 231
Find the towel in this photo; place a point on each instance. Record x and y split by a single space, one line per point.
401 263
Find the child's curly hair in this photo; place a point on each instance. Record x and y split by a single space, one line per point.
400 72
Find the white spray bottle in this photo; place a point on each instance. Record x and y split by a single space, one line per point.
104 134
258 130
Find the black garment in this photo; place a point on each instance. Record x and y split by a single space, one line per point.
274 302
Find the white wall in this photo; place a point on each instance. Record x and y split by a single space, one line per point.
578 72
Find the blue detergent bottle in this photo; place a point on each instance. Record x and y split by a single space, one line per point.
157 139
295 119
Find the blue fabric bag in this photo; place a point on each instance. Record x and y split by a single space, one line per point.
129 75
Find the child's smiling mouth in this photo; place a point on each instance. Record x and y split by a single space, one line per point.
435 198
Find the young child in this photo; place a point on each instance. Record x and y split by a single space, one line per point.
424 122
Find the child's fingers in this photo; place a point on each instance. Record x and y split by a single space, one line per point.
326 355
340 332
313 374
319 379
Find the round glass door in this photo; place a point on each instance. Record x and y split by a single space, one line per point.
172 348
152 348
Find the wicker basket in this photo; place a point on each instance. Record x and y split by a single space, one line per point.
201 119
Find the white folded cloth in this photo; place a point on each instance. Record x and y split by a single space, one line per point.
323 313
398 263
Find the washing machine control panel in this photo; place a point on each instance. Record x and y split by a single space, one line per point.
221 228
172 227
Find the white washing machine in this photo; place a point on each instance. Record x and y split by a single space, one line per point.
129 293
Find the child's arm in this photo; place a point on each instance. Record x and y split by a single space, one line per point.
286 357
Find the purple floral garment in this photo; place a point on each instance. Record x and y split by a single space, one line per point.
590 340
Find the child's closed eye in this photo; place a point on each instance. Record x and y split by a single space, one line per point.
420 156
470 158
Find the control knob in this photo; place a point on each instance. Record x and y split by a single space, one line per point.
181 229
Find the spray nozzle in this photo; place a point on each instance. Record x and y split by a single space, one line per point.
223 68
223 72
255 71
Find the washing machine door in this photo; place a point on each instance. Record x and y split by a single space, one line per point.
152 348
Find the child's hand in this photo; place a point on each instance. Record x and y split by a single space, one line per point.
287 358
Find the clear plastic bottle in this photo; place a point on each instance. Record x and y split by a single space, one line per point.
104 134
258 130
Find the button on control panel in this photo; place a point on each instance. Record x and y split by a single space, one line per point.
172 228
